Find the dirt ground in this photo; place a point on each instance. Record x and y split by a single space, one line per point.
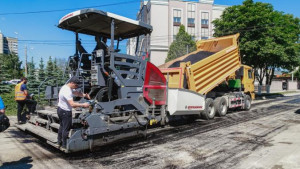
266 137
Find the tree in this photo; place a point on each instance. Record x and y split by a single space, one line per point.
4 69
41 74
4 77
10 67
57 73
49 72
181 44
33 81
267 37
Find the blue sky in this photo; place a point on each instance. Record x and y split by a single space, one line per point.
42 26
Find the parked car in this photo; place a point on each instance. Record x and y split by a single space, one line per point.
14 81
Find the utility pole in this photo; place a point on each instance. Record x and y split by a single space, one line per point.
187 49
26 61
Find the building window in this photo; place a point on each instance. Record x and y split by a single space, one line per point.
176 17
177 20
204 19
191 21
191 15
204 33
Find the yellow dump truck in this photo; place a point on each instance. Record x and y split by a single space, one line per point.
215 71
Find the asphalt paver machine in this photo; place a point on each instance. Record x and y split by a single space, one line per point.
128 93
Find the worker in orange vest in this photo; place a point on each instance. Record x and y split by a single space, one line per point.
22 98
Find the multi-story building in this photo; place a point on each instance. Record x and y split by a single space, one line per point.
1 43
8 45
166 16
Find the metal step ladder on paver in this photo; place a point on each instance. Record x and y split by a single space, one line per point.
44 133
47 118
49 121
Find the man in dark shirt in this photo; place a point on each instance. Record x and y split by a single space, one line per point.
101 44
84 56
23 98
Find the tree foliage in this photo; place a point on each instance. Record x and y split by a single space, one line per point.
41 73
37 75
181 44
33 81
49 67
267 37
54 73
10 68
50 73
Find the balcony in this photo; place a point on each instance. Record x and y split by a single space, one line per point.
204 25
191 25
176 23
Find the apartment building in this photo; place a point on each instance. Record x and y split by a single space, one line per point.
166 16
8 45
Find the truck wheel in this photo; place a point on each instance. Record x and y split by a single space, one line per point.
220 105
210 111
247 102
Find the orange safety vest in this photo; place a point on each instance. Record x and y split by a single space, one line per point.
19 95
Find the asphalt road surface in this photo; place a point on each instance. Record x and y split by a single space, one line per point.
268 136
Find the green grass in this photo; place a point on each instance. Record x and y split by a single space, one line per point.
10 103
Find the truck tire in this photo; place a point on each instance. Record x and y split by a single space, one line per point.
247 102
221 107
210 111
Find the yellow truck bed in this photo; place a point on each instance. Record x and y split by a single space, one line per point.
207 67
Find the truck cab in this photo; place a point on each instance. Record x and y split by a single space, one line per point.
248 81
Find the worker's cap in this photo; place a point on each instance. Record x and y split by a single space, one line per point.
75 80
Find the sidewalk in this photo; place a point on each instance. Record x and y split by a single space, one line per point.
284 152
274 94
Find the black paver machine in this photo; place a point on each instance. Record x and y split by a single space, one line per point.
128 93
